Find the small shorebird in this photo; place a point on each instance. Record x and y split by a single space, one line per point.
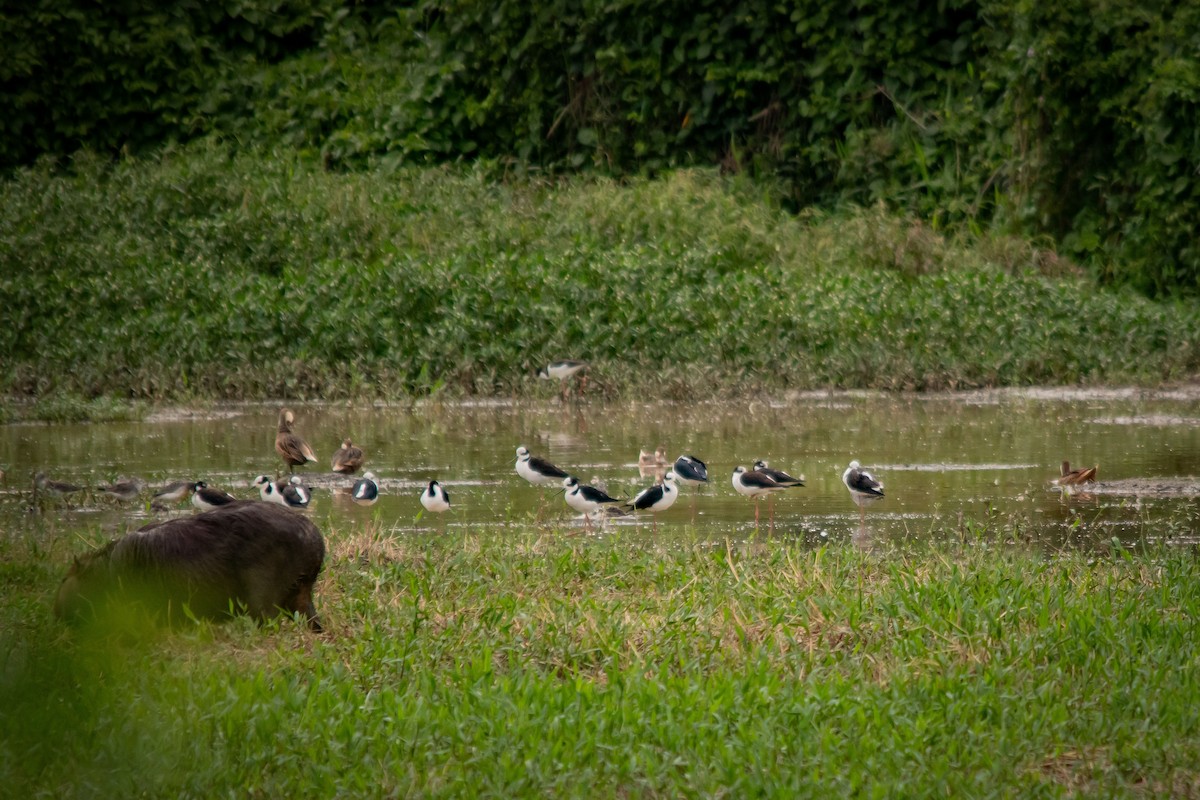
653 464
754 484
173 492
125 490
435 499
52 488
563 371
585 499
294 450
207 499
864 489
1074 477
657 498
348 459
366 490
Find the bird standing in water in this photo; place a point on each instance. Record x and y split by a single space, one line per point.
294 450
348 459
864 489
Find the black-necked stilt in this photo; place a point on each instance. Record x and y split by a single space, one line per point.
206 499
366 490
268 491
348 458
42 484
173 492
538 471
779 476
754 484
435 499
294 450
1074 477
126 490
863 487
562 371
294 492
585 499
657 498
690 471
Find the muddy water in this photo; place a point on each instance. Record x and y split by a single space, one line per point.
942 459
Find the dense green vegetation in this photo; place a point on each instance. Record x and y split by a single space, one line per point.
211 275
536 664
1072 120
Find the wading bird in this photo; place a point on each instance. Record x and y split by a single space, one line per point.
206 499
657 498
585 499
294 450
348 458
435 499
864 489
754 484
563 371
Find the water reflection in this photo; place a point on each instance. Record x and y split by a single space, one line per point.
940 457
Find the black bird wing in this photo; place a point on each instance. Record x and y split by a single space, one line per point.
861 481
594 495
546 468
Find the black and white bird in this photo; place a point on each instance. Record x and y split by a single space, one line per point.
206 499
268 491
754 484
435 499
294 492
366 490
863 487
538 471
690 471
779 476
585 499
125 490
657 498
563 371
173 492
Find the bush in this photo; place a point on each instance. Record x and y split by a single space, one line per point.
212 274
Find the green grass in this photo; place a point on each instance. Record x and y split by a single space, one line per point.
533 664
209 275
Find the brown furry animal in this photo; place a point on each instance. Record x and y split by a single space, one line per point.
247 556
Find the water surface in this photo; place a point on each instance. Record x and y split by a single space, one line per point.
948 462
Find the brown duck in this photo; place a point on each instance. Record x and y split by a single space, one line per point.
348 458
1073 477
294 450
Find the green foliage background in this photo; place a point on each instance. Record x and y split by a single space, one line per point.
211 273
1071 120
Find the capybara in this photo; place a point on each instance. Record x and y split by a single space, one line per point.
247 556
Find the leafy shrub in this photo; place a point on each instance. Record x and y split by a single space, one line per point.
239 275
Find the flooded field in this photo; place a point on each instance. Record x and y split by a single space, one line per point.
945 461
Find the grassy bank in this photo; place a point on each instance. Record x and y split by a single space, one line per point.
208 275
529 664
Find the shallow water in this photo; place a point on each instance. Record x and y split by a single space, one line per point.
942 458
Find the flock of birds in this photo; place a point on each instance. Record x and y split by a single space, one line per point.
589 500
